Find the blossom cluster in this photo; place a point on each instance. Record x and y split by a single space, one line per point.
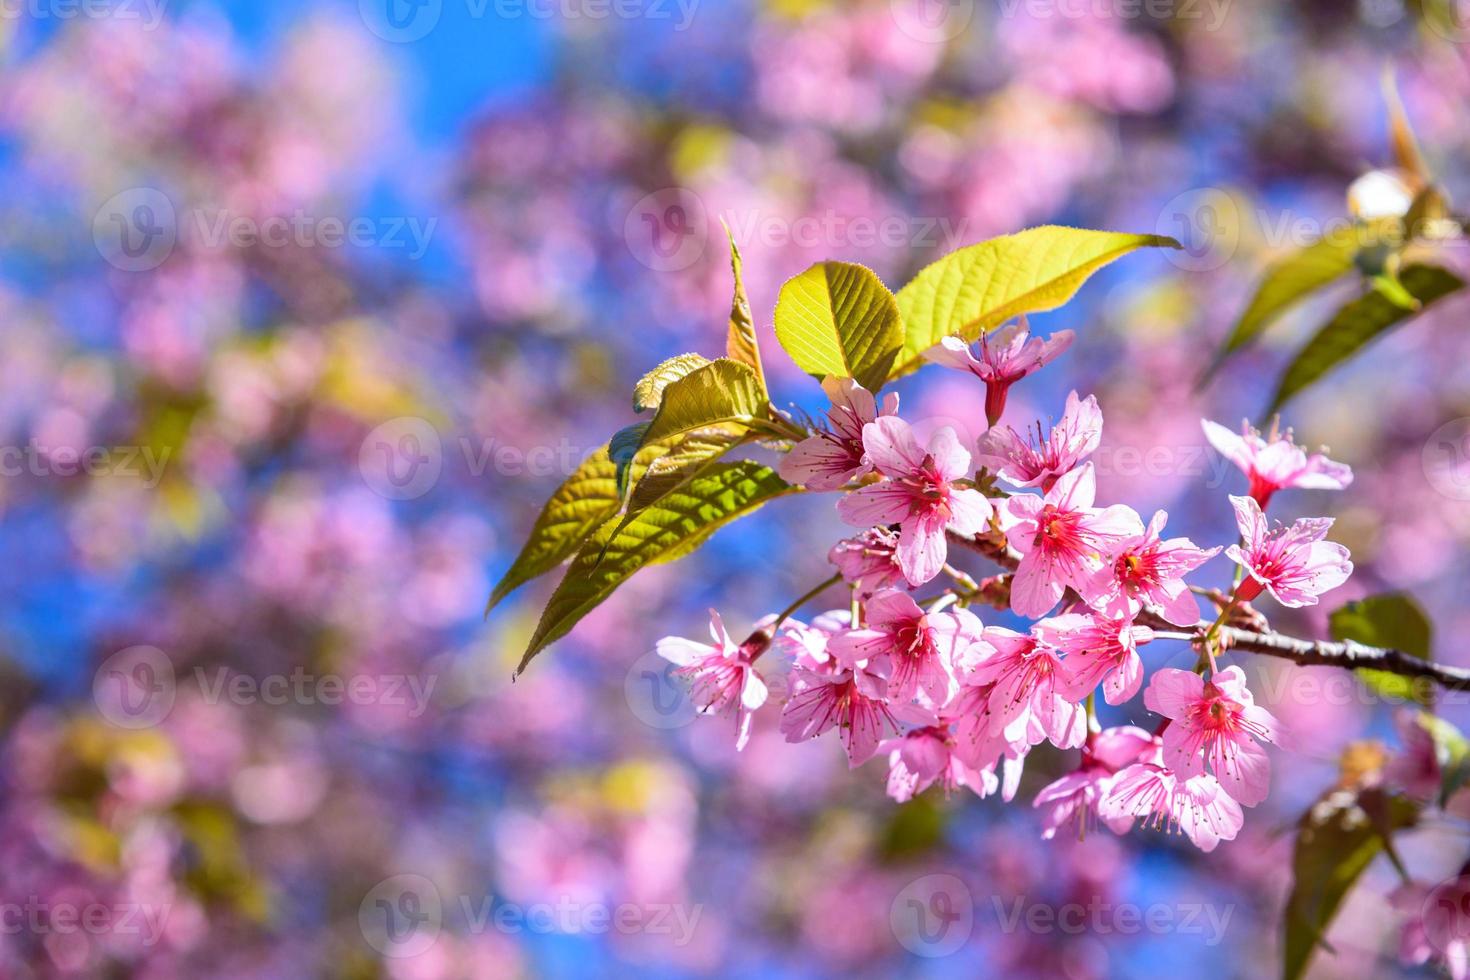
955 702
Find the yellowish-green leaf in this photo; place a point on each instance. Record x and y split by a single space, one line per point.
693 453
649 391
721 391
1391 620
1336 840
838 318
669 528
741 344
583 502
979 287
1287 281
1359 322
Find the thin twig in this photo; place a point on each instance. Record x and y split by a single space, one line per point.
1308 653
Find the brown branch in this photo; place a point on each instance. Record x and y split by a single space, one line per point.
1308 653
1347 654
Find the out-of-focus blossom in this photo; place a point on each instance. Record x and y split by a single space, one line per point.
1275 463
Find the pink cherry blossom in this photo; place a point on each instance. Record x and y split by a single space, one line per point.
1074 797
1100 649
852 700
926 756
869 561
1142 570
1293 563
1040 460
1215 722
1416 768
919 495
1440 908
1198 807
834 457
915 649
1276 462
723 677
1006 356
802 645
1024 678
1061 538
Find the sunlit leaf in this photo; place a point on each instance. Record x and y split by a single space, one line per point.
686 516
1287 281
692 453
649 391
1392 620
719 392
979 287
741 344
1336 840
583 502
1357 323
838 318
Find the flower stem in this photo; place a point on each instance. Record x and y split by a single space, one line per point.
818 590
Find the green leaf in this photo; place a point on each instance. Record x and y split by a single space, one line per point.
579 506
837 318
719 392
669 528
649 391
692 454
1287 281
979 287
1357 323
1336 840
1389 620
741 344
